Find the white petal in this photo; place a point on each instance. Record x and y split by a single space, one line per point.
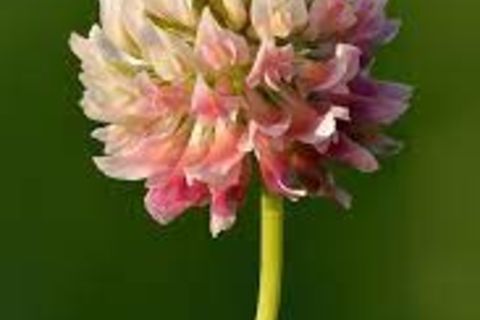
219 224
170 56
110 16
179 10
326 127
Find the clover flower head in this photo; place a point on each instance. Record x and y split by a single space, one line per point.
192 92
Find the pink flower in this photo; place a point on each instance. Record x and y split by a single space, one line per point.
190 95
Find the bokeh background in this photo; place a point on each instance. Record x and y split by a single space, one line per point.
76 245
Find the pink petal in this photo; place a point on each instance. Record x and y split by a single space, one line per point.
300 172
272 66
219 48
277 173
305 118
149 156
164 98
330 17
226 199
224 154
312 126
335 73
270 119
168 200
207 105
200 141
306 171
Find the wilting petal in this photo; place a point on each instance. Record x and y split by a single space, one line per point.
309 125
373 27
277 172
351 153
383 145
342 197
305 119
219 48
181 11
378 111
272 66
308 166
365 86
227 198
330 17
378 102
271 120
278 18
167 200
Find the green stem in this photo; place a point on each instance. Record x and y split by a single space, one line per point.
271 257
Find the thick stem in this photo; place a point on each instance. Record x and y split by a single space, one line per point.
271 257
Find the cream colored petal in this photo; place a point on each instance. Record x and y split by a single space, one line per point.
237 12
169 55
111 93
178 10
110 17
278 18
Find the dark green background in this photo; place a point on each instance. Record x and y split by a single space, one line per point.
76 245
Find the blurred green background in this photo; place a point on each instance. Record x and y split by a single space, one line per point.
76 245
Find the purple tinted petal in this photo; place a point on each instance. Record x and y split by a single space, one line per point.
378 102
351 153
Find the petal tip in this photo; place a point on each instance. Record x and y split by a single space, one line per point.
220 224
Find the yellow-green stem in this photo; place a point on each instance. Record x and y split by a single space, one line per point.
271 257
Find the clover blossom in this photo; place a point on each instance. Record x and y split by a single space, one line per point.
191 93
